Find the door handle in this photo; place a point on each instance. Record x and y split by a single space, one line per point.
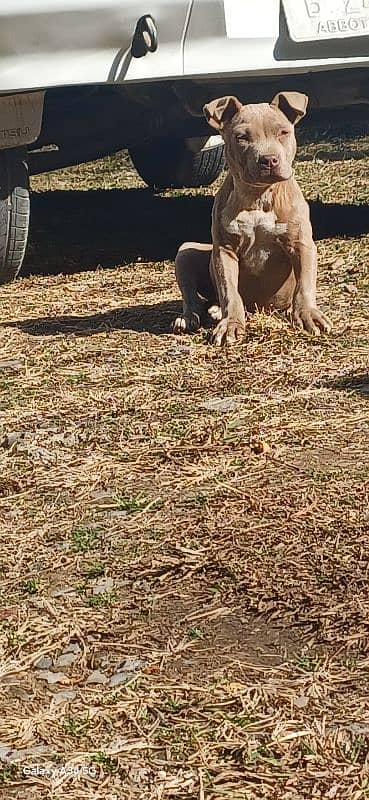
145 37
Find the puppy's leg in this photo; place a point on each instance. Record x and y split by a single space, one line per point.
194 281
304 311
224 269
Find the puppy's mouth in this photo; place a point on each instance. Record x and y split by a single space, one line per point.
272 174
258 174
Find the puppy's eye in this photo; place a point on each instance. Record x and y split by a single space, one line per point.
284 132
243 137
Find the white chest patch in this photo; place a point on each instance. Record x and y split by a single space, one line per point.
247 223
258 231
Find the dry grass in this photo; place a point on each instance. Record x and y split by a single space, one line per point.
223 549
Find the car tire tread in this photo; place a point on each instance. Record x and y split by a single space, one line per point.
14 212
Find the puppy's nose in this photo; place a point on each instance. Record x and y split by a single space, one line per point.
269 162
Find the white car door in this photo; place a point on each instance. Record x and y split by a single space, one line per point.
60 42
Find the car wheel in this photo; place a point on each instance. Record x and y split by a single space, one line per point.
181 163
14 212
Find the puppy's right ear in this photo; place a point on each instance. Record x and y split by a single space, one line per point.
221 111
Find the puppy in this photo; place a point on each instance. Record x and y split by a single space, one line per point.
262 255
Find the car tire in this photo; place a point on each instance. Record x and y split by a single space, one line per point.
173 164
14 212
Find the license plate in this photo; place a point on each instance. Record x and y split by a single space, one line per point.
311 20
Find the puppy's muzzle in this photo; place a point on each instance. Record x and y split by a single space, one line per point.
269 165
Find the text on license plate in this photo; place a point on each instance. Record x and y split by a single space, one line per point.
309 20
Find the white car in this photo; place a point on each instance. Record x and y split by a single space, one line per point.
80 79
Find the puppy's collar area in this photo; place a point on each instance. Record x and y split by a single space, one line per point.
245 198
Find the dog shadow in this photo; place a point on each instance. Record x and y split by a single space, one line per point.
354 383
155 319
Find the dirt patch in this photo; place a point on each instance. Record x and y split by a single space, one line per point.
233 641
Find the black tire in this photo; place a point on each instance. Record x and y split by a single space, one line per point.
170 164
14 212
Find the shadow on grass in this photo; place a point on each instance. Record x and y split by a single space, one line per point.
355 383
156 319
74 231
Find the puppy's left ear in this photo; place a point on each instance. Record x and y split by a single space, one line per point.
292 104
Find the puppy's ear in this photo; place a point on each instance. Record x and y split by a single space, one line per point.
292 104
221 111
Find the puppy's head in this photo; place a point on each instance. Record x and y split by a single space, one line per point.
260 143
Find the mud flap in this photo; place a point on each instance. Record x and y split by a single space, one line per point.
20 118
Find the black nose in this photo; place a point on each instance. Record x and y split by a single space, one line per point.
269 162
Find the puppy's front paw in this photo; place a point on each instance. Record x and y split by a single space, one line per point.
228 331
188 323
311 320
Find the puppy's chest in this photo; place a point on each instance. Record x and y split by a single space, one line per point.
261 237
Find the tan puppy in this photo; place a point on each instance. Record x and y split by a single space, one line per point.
263 254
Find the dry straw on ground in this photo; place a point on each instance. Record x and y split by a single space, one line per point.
184 531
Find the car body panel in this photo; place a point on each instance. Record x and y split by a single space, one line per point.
66 42
69 42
